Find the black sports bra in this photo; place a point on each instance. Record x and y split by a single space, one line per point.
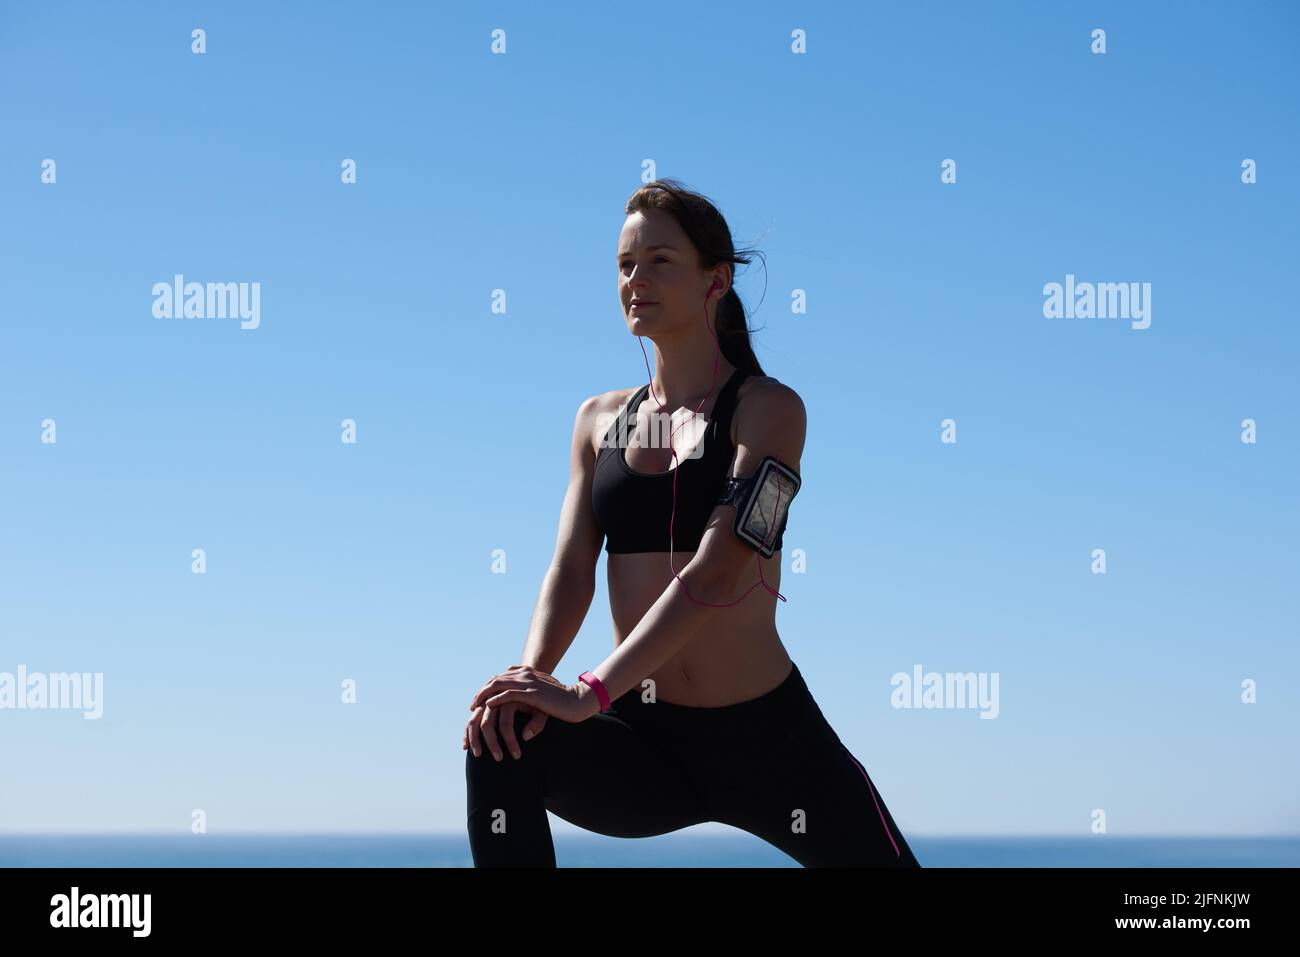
633 508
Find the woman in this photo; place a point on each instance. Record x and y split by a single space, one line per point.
699 714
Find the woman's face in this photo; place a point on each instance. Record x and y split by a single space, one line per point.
658 263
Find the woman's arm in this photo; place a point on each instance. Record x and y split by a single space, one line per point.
771 422
570 581
562 605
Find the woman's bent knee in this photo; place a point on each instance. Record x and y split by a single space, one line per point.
486 762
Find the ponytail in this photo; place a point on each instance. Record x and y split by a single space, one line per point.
733 334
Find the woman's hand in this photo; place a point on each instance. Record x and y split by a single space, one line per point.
533 690
483 726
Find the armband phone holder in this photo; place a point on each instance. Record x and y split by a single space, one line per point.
762 504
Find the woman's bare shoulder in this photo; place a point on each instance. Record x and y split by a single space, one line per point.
601 410
767 391
762 397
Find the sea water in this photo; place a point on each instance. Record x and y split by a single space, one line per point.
679 849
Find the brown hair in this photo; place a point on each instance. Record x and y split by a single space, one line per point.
711 236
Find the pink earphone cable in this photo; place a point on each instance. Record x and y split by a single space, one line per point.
672 518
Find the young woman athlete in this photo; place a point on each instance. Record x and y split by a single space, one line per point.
699 714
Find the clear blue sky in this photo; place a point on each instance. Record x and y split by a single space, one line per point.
476 172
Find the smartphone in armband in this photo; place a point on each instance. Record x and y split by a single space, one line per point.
762 504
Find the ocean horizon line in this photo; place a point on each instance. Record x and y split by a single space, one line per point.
682 833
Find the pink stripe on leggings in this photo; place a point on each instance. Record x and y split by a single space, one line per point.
856 762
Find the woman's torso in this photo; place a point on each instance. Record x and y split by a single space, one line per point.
741 656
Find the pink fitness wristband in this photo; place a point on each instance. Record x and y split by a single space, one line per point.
595 684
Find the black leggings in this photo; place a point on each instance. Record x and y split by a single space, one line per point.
771 766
